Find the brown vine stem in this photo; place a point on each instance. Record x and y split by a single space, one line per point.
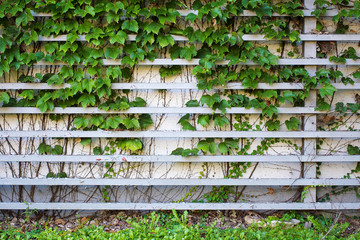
252 172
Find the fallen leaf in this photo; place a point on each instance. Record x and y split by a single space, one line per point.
83 220
271 191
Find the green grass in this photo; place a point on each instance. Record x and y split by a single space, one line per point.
174 226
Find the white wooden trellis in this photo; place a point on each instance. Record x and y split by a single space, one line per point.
177 159
309 122
180 134
180 181
309 158
245 13
163 110
173 86
245 37
194 62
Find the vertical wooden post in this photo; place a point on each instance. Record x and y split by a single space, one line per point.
309 145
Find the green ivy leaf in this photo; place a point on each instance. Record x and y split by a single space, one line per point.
353 107
81 122
165 40
203 146
85 27
294 36
139 102
287 96
153 27
44 148
85 141
185 124
223 148
130 123
272 125
175 51
24 18
210 100
57 150
27 94
96 120
112 52
145 120
188 52
353 150
269 110
29 37
92 71
90 10
130 25
169 71
3 43
356 74
134 145
44 102
327 90
192 103
203 120
220 121
322 105
340 107
71 37
87 99
293 123
97 151
113 122
4 97
55 80
212 147
178 151
191 17
112 16
119 37
113 72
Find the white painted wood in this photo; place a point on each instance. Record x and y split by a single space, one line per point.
180 134
193 62
173 86
179 182
309 145
246 13
158 110
245 37
177 159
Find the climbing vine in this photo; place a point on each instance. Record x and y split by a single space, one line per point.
106 40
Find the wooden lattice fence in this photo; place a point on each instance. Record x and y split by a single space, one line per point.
25 181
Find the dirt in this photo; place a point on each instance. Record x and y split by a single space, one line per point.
113 221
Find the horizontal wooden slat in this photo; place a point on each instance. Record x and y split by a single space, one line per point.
330 37
173 86
158 110
178 206
245 37
177 159
182 13
246 13
180 134
193 62
180 182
